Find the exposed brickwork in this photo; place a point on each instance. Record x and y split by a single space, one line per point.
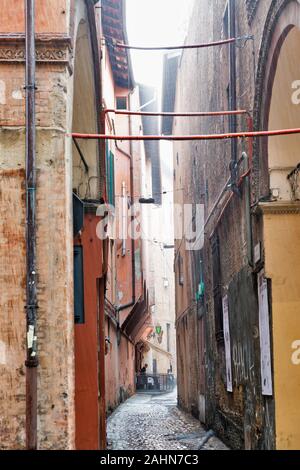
53 235
12 279
202 171
56 381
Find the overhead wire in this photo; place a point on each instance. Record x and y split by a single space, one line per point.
199 137
188 138
154 194
127 112
118 45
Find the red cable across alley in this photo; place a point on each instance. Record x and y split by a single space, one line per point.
236 135
188 46
187 114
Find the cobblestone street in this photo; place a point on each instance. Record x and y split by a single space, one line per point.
153 422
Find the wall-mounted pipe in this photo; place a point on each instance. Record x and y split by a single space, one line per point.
226 188
232 92
186 114
97 76
95 29
222 42
242 178
248 214
124 218
85 164
121 308
31 275
133 287
133 270
133 277
236 135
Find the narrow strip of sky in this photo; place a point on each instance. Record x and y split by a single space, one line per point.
155 23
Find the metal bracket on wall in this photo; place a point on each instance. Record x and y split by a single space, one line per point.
81 155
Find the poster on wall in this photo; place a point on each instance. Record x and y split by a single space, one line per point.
264 333
227 344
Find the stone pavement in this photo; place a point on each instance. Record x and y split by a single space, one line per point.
153 422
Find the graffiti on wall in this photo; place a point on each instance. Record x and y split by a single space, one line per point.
243 366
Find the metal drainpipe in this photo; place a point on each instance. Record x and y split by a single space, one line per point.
232 94
248 212
132 213
130 156
124 218
31 276
102 282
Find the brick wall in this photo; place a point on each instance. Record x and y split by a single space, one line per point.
56 417
202 168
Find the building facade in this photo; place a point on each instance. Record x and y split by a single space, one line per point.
67 333
237 294
91 296
121 282
158 242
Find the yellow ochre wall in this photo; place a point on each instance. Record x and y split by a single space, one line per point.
282 256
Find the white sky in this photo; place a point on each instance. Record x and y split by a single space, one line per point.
157 23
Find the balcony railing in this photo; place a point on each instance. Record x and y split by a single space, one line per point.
155 382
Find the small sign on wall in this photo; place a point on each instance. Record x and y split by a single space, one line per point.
257 253
227 344
264 330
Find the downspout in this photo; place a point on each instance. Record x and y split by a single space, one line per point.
105 246
102 150
31 276
133 280
120 308
124 218
232 94
132 213
248 214
130 156
96 53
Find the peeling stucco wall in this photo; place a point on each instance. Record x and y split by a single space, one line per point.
202 168
54 96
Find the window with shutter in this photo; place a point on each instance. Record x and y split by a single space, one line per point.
121 102
110 176
78 285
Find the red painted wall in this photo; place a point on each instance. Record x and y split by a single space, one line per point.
87 373
51 16
120 362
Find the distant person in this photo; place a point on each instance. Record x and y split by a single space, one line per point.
143 376
170 378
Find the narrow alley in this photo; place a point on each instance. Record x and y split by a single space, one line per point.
150 227
154 422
